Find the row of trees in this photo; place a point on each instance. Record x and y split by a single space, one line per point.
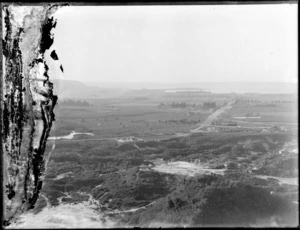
205 105
264 101
209 105
74 102
177 105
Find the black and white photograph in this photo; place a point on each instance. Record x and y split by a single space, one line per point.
149 115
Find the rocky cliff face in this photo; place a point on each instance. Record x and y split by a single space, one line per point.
27 103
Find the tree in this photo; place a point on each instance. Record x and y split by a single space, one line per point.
232 165
171 204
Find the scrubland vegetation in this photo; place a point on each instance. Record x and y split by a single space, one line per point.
120 175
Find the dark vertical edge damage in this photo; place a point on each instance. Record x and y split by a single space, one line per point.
1 122
13 112
46 112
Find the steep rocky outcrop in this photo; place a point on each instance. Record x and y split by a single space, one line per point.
27 103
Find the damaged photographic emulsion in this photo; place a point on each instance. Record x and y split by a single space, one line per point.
154 115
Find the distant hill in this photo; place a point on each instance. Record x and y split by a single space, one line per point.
215 87
75 89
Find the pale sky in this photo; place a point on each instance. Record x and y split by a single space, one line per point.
178 43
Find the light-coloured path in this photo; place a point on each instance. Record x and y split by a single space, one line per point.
213 116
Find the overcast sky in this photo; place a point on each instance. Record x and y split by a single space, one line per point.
178 43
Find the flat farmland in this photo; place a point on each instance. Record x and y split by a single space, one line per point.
278 112
128 118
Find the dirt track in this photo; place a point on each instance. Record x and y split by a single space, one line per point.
212 117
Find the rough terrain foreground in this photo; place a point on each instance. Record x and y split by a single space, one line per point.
28 103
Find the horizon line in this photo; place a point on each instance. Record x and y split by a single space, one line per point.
180 82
